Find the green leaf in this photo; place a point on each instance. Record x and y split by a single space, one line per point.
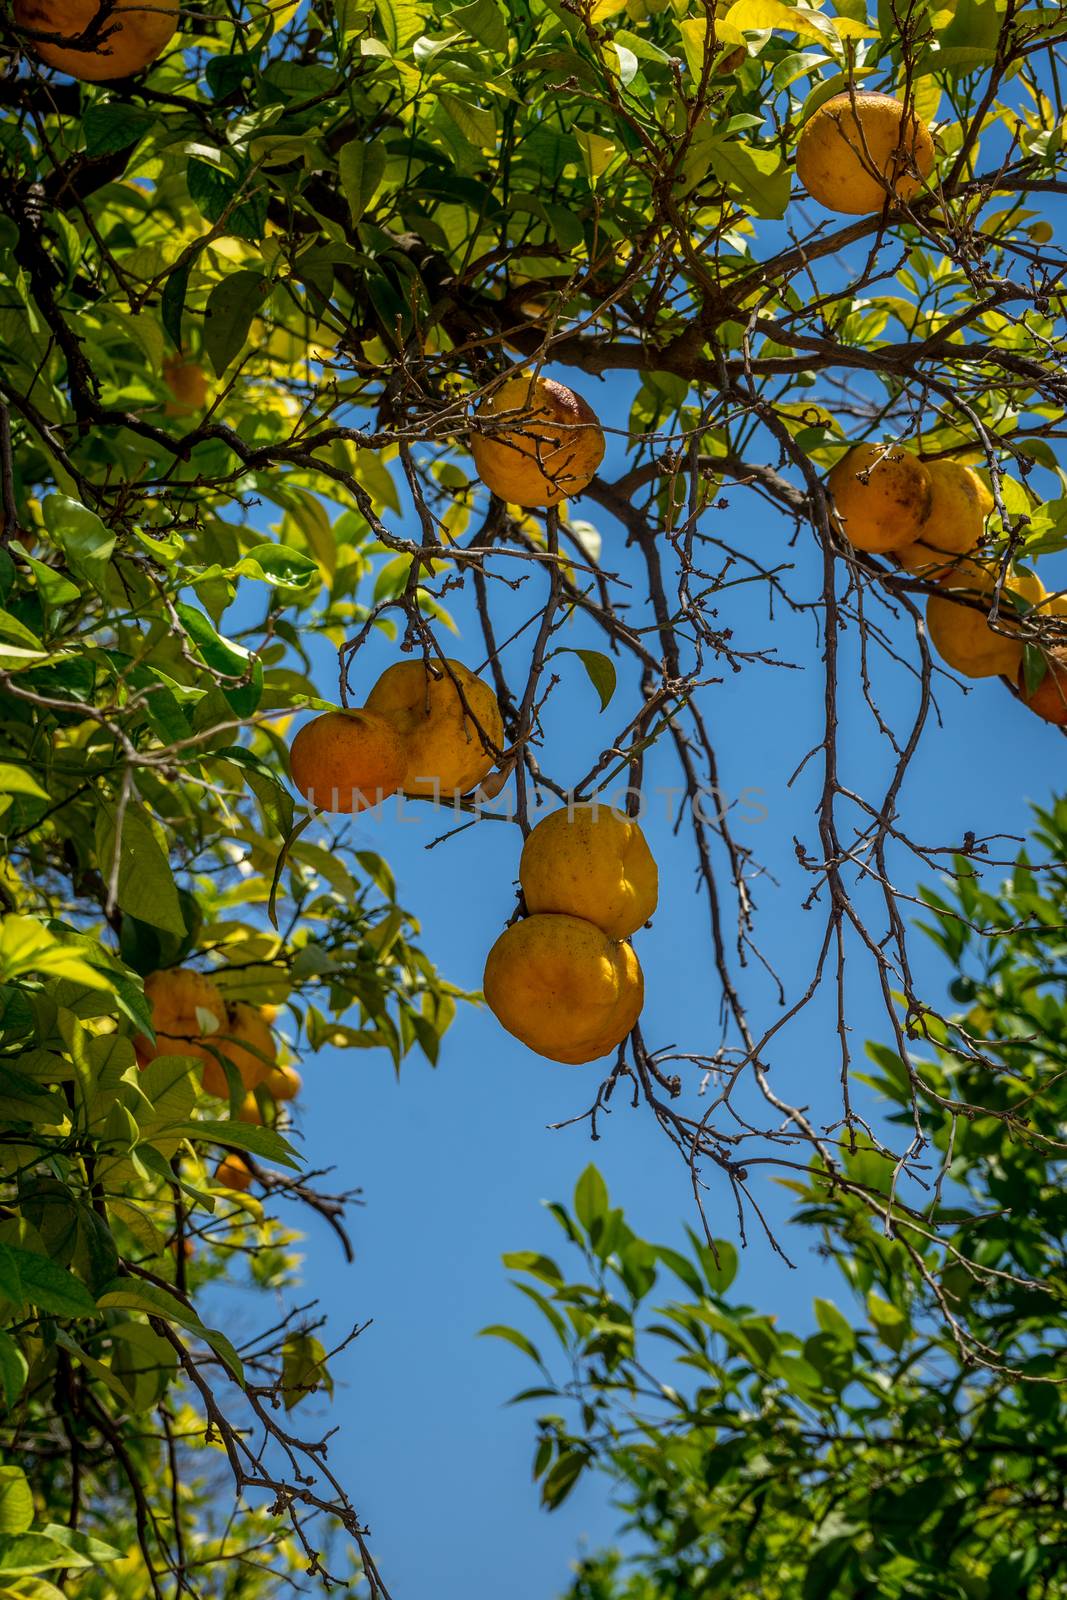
231 307
475 123
278 564
30 1279
760 177
264 1142
13 1369
889 1322
600 669
16 1501
497 1330
303 1368
590 1198
484 21
361 167
561 1478
400 21
1035 666
16 780
113 125
54 588
226 657
146 887
133 1294
86 543
172 301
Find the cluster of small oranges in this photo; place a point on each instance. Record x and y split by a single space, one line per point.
930 516
192 1018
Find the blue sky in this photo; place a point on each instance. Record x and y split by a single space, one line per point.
456 1162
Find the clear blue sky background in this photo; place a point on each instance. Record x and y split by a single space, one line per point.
455 1163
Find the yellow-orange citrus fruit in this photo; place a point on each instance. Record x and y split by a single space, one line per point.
187 382
953 524
246 1041
233 1173
249 1109
183 1005
551 452
1049 698
590 861
847 156
347 761
882 495
961 633
563 987
135 35
985 497
283 1083
444 754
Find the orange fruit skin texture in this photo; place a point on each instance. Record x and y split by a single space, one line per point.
590 861
961 634
1049 699
563 987
187 382
954 524
882 496
283 1083
553 452
245 1039
839 146
232 1173
137 35
440 740
347 761
175 998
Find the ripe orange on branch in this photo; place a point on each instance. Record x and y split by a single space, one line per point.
347 761
188 385
551 451
856 150
953 525
131 35
443 751
233 1173
563 987
961 633
590 861
1049 697
882 495
186 1008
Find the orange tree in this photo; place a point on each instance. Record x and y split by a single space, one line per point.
261 266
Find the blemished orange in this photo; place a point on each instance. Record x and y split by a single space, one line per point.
347 761
246 1041
1049 698
551 452
590 861
283 1083
444 752
563 987
849 157
187 382
135 35
882 495
233 1173
954 523
961 634
183 1004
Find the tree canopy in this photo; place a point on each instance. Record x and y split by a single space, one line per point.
254 301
